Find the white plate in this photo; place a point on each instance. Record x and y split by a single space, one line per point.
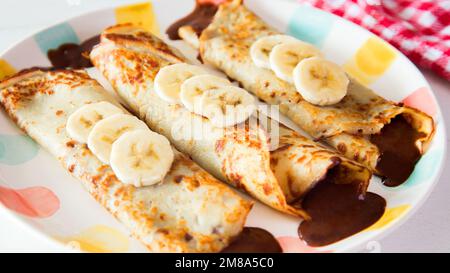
41 195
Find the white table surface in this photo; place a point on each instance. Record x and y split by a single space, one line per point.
428 230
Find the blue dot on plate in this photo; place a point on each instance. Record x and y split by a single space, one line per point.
310 25
17 149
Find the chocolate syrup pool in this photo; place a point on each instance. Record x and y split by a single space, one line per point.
198 19
254 240
399 154
338 211
73 55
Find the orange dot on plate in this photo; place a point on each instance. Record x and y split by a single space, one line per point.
38 202
6 69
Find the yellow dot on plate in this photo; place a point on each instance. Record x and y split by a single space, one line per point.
98 239
6 69
389 215
141 14
371 60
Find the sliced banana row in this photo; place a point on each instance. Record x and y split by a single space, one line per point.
141 157
169 79
80 123
192 90
204 94
137 155
319 81
227 105
108 130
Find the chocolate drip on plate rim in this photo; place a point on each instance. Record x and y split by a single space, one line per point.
73 55
198 19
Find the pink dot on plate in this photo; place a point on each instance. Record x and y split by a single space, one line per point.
291 244
38 202
421 99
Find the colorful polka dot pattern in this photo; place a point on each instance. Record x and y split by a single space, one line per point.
423 100
371 60
98 239
291 244
36 202
309 24
390 215
6 69
139 14
426 164
17 149
55 36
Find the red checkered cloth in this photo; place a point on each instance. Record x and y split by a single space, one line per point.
418 28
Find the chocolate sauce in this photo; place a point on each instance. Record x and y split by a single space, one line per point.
73 55
399 154
198 19
338 211
254 240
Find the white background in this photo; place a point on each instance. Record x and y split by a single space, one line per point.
428 230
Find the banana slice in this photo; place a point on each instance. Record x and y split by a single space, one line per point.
227 105
169 79
284 57
80 122
106 131
193 88
260 50
320 82
141 157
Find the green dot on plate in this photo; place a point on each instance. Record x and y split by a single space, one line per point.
17 149
55 36
425 168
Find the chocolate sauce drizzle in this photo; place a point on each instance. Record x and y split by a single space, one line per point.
254 240
198 19
398 150
338 211
72 55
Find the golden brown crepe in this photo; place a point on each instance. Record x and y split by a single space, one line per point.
189 211
347 125
130 58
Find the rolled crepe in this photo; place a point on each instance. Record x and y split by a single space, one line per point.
347 126
129 59
189 211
